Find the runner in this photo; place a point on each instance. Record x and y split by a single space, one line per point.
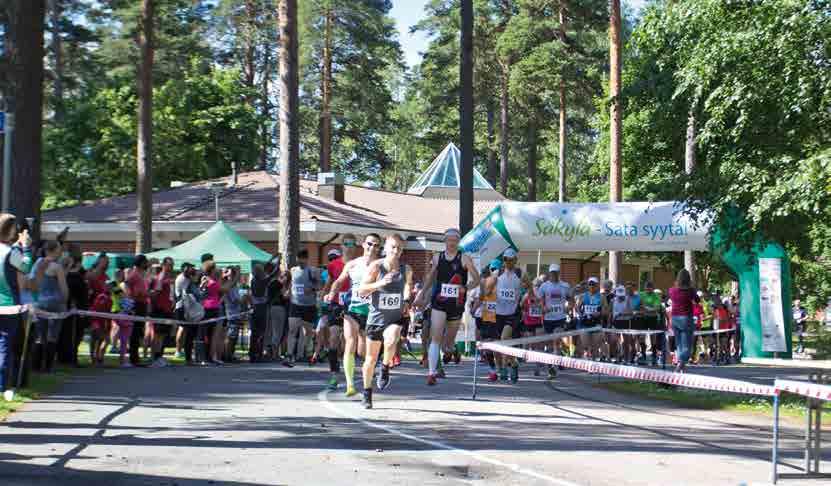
590 311
622 319
532 315
453 275
354 322
338 304
386 283
508 286
557 297
651 313
488 330
323 334
305 282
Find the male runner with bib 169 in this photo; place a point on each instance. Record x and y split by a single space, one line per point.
453 275
387 284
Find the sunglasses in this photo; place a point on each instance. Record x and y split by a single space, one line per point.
370 244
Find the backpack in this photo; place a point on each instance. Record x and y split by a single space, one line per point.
193 309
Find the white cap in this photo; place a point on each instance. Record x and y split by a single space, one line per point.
700 293
509 253
333 252
593 280
620 291
554 267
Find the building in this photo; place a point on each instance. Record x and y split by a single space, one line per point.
328 208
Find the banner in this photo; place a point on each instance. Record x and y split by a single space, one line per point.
770 305
629 226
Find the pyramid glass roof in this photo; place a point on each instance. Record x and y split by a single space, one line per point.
444 172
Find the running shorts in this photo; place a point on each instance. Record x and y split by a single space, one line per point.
554 326
511 320
453 310
306 313
488 331
336 313
375 332
359 318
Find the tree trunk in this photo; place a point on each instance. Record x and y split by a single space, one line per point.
504 145
493 164
532 159
325 128
615 170
263 162
563 115
144 152
689 166
289 237
56 12
466 119
26 48
248 67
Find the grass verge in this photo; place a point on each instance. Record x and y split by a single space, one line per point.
791 406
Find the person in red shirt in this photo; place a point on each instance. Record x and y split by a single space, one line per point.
161 300
338 300
137 291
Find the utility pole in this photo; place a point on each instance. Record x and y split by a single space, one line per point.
466 119
7 155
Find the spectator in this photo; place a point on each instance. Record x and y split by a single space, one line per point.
259 300
232 301
51 296
137 292
161 295
682 297
73 333
16 256
117 285
214 289
277 294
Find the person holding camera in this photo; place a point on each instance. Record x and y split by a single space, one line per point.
16 257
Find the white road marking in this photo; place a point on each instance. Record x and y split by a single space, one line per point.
323 396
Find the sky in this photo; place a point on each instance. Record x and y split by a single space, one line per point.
408 12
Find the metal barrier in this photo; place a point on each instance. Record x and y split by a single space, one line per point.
815 392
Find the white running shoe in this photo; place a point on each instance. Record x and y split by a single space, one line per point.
126 365
163 362
8 395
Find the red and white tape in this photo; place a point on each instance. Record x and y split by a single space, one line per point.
111 316
658 376
810 390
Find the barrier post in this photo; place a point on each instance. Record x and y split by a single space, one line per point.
775 454
475 369
26 329
808 429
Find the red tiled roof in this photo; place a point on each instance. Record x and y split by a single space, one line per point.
254 199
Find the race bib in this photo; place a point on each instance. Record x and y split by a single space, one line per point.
507 295
449 291
389 302
342 298
490 306
535 311
557 309
298 289
590 309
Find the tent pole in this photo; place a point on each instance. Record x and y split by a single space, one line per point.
539 258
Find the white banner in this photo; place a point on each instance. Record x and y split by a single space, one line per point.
630 226
770 305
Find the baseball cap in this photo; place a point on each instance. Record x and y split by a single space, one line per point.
509 253
452 232
620 291
593 280
554 267
206 257
333 252
496 264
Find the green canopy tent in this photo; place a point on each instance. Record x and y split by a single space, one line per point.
225 244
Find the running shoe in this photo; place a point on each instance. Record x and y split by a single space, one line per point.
126 365
446 357
313 360
492 376
396 361
180 355
552 372
351 392
514 374
367 400
457 357
503 374
440 373
333 382
113 350
383 380
431 380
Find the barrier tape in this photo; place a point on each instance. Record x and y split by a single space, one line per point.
548 337
4 310
717 331
632 332
810 390
658 376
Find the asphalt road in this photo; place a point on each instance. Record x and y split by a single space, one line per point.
264 424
